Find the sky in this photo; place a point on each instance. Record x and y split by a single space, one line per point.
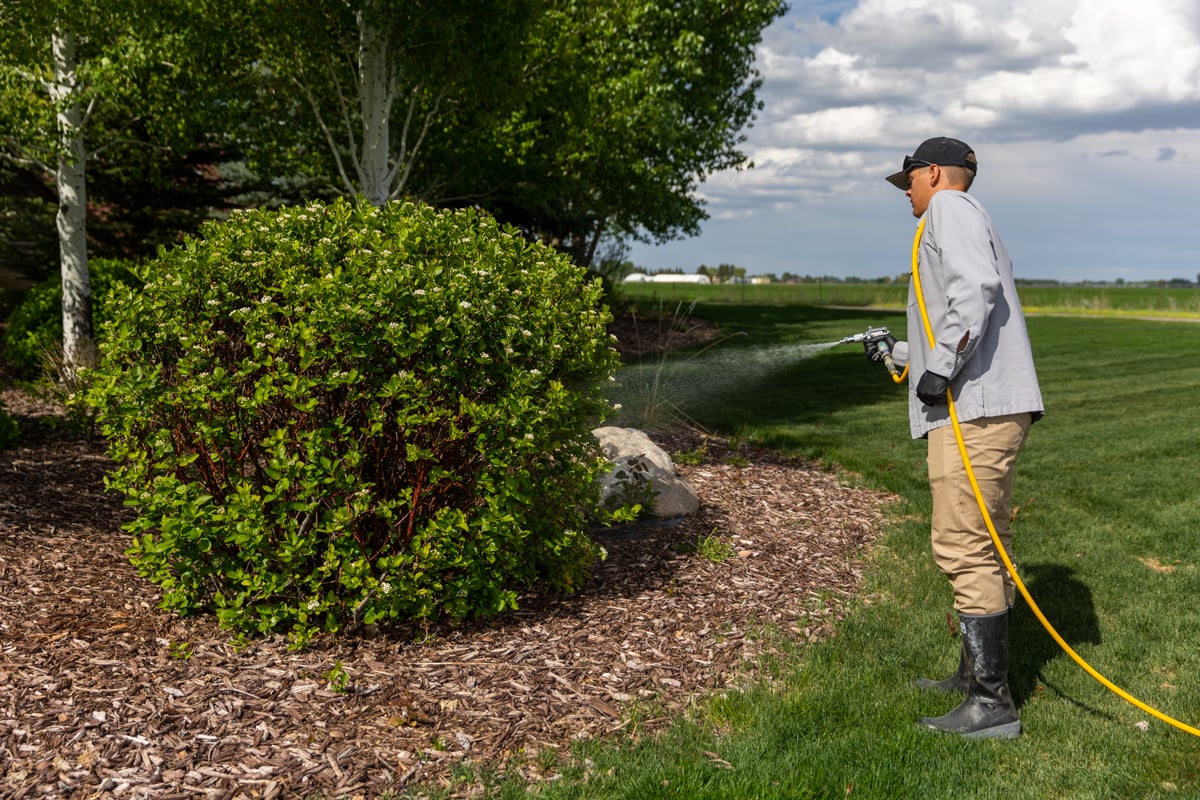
1084 115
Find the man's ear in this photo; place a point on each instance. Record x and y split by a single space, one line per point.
935 174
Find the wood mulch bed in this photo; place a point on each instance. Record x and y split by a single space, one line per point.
102 694
648 333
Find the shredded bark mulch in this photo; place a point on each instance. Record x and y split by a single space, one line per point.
104 695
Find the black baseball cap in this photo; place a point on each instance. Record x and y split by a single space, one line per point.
943 151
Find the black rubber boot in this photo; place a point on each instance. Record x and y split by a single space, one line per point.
988 712
955 684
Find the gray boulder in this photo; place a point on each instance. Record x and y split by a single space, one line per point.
642 472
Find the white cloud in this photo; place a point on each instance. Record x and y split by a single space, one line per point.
889 73
1085 115
985 68
956 37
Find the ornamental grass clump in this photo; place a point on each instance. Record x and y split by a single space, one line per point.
341 414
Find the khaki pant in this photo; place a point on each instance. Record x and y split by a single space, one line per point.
962 546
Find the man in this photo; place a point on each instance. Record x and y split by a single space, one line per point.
981 357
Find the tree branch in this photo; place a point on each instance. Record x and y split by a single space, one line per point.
19 156
408 161
347 123
337 157
87 113
35 79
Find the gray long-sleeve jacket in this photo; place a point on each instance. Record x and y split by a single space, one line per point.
981 344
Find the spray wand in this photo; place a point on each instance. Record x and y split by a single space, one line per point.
877 339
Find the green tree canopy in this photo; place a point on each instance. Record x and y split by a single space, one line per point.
625 107
573 119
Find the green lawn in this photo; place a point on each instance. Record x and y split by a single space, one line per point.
1107 539
1085 300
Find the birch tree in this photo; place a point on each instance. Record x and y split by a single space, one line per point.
70 175
40 50
62 65
356 88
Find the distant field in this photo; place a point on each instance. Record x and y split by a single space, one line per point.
1108 300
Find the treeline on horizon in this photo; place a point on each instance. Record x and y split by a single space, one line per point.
728 273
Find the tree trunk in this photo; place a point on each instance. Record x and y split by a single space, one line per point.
79 350
375 95
590 255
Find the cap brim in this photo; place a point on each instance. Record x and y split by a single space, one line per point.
900 180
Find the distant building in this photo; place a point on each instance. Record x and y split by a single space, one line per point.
669 278
665 277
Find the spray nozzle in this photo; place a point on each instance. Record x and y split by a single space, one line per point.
870 336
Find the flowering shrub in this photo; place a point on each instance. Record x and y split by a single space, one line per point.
340 414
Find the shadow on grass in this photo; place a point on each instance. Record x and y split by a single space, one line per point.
1066 603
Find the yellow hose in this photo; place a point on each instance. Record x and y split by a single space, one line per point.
987 518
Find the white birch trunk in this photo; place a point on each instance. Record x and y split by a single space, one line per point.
79 349
375 83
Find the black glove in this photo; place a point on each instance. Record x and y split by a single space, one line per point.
871 347
932 389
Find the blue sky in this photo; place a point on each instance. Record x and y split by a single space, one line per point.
1085 115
